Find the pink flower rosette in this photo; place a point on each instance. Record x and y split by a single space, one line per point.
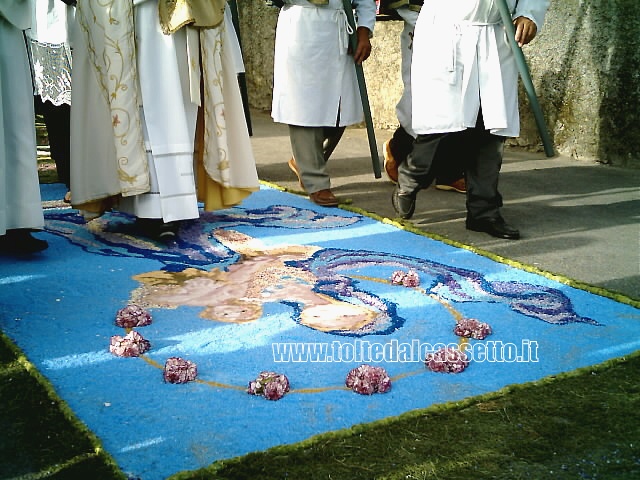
447 360
270 385
132 316
472 328
131 345
179 370
411 279
367 380
397 277
407 279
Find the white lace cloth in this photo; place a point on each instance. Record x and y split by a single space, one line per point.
50 51
52 71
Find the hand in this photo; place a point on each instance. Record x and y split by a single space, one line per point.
526 30
364 45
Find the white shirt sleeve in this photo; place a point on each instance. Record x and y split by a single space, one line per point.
532 9
365 13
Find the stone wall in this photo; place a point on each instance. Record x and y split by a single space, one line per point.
585 66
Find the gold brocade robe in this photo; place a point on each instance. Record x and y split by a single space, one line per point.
175 14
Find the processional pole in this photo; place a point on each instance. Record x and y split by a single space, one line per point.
353 40
523 68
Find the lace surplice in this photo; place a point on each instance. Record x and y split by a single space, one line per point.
52 71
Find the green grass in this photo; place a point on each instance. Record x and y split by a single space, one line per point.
585 424
580 425
40 437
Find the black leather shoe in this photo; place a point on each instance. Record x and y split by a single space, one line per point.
156 229
495 227
404 205
19 241
168 232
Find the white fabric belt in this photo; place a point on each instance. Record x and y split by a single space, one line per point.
458 27
340 17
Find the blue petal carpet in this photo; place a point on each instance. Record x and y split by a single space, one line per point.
283 285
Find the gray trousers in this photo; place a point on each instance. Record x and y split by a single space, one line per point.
312 147
482 166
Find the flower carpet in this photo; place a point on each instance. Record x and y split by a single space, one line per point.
272 308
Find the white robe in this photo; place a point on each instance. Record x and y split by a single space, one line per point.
169 125
20 203
314 76
461 60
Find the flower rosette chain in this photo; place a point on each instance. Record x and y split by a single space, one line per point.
132 344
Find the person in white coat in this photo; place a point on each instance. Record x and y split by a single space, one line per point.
20 202
315 89
450 170
468 82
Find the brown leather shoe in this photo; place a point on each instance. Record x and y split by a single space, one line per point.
390 164
459 186
294 168
324 198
